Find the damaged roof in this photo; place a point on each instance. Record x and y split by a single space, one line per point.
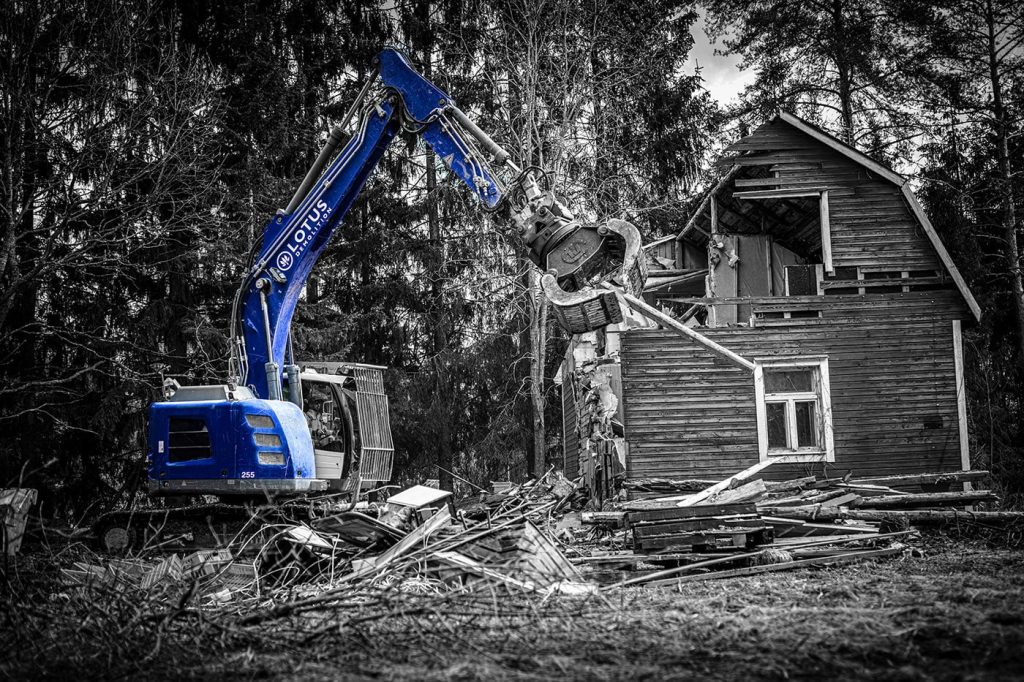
793 216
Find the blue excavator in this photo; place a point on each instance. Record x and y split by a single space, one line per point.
280 427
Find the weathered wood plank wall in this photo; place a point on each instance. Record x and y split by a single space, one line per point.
689 414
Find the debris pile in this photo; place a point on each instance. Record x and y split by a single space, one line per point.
210 574
541 536
745 524
14 506
417 540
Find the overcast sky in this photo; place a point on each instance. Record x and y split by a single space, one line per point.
722 77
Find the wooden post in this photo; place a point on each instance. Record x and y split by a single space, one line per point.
826 234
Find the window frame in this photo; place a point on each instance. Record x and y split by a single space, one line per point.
821 395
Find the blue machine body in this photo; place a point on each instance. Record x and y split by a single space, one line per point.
224 446
225 452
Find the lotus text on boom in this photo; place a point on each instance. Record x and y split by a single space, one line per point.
303 235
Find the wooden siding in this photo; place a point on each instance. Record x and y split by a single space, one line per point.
690 414
871 224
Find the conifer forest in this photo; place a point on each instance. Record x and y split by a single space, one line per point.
146 146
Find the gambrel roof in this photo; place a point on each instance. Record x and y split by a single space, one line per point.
797 212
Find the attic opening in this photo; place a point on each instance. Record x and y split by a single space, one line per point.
764 238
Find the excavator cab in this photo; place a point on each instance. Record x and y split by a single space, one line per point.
347 413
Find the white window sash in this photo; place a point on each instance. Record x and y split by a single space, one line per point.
821 396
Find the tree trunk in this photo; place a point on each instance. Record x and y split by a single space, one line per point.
538 350
1009 217
843 67
435 260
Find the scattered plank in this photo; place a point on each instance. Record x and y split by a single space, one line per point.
648 528
933 516
666 485
846 499
870 490
785 527
747 555
726 484
930 479
928 499
691 512
748 492
809 497
615 519
912 516
786 566
792 484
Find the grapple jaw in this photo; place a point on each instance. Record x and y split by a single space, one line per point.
585 258
576 258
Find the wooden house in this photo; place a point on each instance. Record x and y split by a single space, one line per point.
818 267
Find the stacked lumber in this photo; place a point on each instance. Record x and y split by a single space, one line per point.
734 527
747 525
873 500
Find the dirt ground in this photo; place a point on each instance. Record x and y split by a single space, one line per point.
954 613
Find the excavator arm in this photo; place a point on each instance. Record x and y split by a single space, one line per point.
394 99
252 435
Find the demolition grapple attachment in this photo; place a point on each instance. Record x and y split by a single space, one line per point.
575 258
572 273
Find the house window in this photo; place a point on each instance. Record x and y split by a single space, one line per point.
794 411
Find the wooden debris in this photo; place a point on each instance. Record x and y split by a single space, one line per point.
615 519
14 506
728 483
468 565
748 492
845 499
792 484
722 526
365 567
915 516
664 485
656 578
674 512
930 499
927 479
786 527
522 552
785 566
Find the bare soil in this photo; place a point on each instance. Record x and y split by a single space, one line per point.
952 611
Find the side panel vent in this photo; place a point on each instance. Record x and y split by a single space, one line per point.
188 439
